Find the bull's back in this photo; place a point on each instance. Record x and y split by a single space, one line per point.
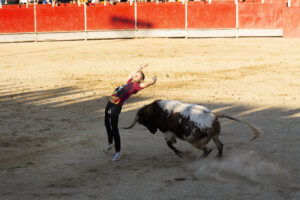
185 114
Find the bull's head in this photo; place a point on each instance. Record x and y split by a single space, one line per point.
146 116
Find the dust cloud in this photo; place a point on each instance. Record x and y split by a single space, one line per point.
243 167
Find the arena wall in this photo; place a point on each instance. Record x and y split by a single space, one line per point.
295 3
169 15
211 16
16 20
291 25
110 17
260 16
125 20
60 19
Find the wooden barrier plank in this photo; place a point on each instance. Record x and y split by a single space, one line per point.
291 25
266 16
62 18
120 16
295 3
161 16
211 16
251 1
16 20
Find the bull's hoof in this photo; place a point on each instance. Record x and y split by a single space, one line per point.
219 157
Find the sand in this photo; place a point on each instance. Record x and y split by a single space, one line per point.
52 100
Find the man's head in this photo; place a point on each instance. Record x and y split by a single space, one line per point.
138 77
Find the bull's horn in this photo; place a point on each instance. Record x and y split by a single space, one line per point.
133 123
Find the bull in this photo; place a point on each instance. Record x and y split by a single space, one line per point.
193 123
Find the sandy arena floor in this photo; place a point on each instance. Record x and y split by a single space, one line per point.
52 100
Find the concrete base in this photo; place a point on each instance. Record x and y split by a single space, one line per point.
141 33
260 32
110 34
23 37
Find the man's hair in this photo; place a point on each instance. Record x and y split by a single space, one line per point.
143 75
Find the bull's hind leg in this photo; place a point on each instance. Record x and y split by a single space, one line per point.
206 151
215 132
202 145
171 139
219 145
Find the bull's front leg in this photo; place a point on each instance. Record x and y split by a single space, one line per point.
171 139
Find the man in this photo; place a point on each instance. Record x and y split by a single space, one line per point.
114 107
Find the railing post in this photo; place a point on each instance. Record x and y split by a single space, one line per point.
237 19
35 23
135 18
289 3
186 18
209 2
85 22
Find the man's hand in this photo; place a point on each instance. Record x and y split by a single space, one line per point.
154 79
142 66
144 85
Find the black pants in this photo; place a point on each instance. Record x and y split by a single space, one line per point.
112 112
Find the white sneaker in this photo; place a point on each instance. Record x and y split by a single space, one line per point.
116 156
107 148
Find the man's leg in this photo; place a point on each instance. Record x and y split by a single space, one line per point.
114 119
115 129
108 126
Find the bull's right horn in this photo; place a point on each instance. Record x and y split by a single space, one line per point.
133 123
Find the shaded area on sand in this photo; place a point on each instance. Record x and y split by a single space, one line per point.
51 142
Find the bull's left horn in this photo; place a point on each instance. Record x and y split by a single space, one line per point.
133 123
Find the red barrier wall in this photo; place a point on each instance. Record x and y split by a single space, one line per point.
217 2
102 17
70 17
62 18
295 3
265 1
16 20
291 25
211 16
161 16
251 1
264 16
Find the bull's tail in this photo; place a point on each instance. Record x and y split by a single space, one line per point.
257 133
